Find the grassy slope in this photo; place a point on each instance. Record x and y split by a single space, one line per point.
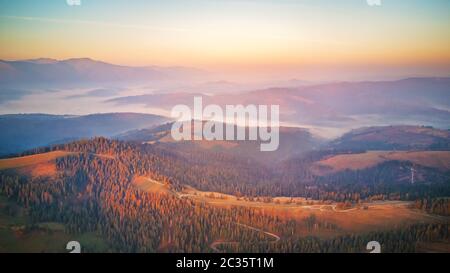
25 161
360 219
433 159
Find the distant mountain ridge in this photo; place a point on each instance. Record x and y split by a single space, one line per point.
394 138
85 70
292 141
412 101
27 131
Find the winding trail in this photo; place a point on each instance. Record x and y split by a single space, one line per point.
324 208
214 246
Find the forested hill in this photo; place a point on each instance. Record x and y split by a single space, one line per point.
92 191
309 176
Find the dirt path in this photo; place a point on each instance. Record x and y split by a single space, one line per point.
332 207
214 246
440 218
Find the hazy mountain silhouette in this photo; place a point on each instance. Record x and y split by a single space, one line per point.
344 104
22 132
85 70
394 138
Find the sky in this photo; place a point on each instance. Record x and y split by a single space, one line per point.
400 37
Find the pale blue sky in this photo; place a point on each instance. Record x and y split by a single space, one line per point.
230 33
